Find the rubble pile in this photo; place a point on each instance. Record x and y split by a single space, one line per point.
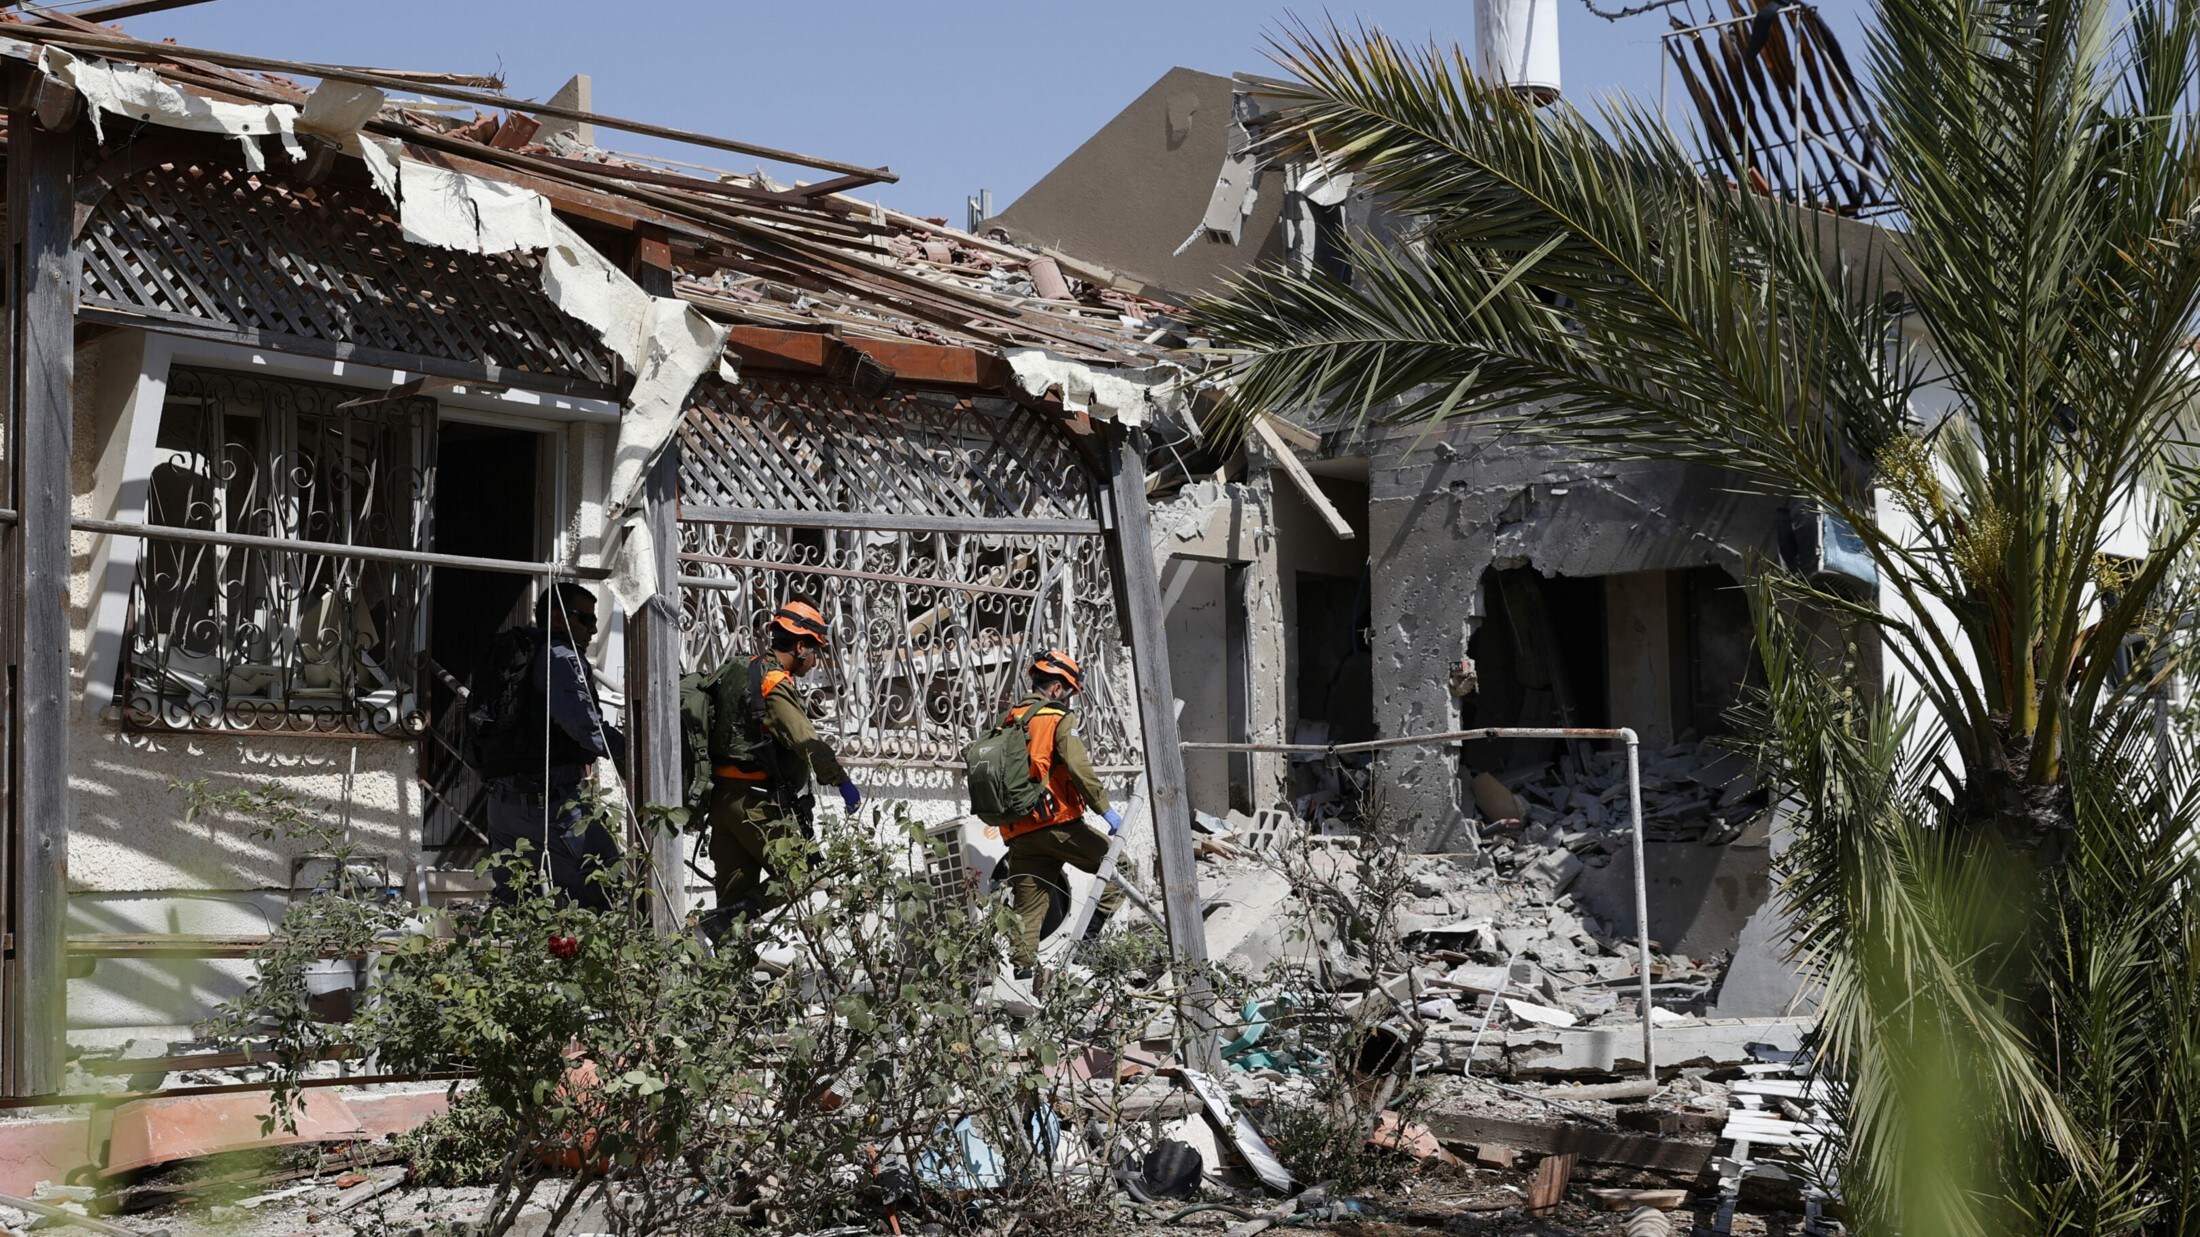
1501 967
1693 790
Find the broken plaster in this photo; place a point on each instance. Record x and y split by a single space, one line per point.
1131 396
141 95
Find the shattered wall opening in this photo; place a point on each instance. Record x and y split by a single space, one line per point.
1540 657
1667 653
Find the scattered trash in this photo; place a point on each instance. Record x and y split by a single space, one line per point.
1171 1170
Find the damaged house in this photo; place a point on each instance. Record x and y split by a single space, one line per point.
1336 582
313 391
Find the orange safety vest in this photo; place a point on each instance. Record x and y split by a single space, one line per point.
1064 802
740 773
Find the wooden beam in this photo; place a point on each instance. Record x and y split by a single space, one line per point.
478 372
765 347
118 10
58 105
838 184
695 184
42 274
909 362
1548 1188
1297 435
937 364
653 643
653 691
1288 460
1167 798
1661 1155
125 46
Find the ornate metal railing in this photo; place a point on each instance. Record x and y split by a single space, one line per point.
235 638
933 633
933 629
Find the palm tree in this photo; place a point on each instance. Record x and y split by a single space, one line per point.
1990 875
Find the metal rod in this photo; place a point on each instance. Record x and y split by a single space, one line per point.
1642 899
1416 740
846 573
248 541
1634 807
126 46
956 766
1678 31
229 1088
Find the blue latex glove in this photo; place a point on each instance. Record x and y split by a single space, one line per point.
850 795
1115 821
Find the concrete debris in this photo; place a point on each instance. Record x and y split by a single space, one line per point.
1506 974
1495 1155
1541 1015
1691 791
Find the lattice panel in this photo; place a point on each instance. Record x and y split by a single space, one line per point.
820 447
323 263
933 632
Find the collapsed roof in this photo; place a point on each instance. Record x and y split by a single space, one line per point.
750 254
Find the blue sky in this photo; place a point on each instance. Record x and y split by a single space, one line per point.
954 95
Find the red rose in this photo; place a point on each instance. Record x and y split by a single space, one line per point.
565 948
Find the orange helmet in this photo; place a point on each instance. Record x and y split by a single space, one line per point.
1062 666
802 619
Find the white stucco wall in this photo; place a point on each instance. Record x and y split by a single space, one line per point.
137 865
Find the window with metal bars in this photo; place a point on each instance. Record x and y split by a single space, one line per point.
251 637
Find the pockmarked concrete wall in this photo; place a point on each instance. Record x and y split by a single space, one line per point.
1232 524
1445 507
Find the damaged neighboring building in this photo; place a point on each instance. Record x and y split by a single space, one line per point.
1336 583
314 389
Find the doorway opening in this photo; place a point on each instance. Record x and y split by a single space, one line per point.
487 505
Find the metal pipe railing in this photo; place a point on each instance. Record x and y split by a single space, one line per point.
334 549
1634 808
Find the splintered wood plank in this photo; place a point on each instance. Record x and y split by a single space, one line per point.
1548 1186
1168 803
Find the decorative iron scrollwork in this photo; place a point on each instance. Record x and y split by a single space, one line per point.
933 632
234 638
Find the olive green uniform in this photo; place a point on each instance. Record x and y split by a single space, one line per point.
1038 855
746 817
